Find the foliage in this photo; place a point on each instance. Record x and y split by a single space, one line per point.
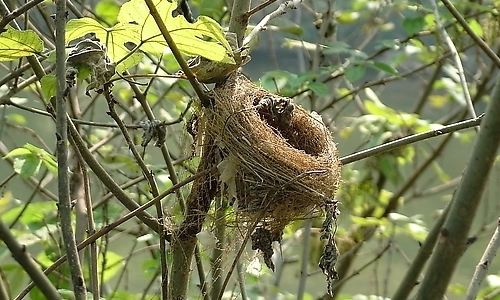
376 71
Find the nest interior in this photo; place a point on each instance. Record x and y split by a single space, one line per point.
286 162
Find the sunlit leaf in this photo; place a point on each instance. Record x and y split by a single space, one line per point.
204 37
16 43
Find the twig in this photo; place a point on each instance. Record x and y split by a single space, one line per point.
366 265
456 58
418 263
461 20
410 139
305 259
24 259
108 228
17 12
4 288
259 7
453 237
152 184
205 101
281 10
62 157
241 280
484 263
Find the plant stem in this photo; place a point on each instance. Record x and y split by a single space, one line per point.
487 50
62 157
453 237
410 140
239 19
108 228
411 276
305 259
24 259
484 263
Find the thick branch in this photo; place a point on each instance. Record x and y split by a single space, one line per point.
453 237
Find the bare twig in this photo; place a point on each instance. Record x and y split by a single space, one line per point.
456 58
17 12
304 259
24 259
461 20
281 10
410 279
410 139
484 263
259 7
108 228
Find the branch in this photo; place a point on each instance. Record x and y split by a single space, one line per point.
410 139
64 204
456 57
108 228
281 10
487 50
259 8
453 237
24 259
205 101
484 263
17 12
418 263
239 19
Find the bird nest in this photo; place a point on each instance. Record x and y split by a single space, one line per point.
280 162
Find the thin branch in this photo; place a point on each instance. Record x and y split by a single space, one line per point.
453 238
108 228
281 10
456 58
205 101
24 259
418 263
17 12
484 263
304 259
259 8
64 204
410 139
461 20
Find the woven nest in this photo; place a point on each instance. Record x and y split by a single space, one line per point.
283 162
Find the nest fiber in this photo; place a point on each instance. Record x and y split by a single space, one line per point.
283 161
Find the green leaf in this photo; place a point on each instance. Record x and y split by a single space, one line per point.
34 213
114 38
204 37
413 25
28 160
16 43
108 10
49 87
385 68
355 72
319 88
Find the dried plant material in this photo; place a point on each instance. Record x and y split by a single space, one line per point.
283 159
